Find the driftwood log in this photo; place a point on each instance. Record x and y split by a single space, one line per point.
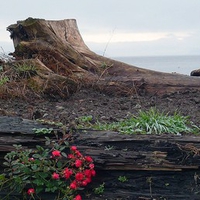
59 47
156 166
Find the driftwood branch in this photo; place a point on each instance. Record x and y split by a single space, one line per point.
156 166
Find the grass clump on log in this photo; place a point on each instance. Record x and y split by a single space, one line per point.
146 122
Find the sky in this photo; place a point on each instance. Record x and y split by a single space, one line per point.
114 27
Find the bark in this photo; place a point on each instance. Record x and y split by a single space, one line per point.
156 166
59 46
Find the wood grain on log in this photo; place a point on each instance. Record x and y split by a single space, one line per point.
156 166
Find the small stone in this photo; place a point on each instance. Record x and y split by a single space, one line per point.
196 100
60 108
195 72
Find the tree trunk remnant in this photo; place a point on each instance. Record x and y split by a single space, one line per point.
59 46
155 166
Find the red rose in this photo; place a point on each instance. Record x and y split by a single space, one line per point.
91 166
30 191
88 159
31 159
84 183
88 180
73 185
70 156
78 153
55 176
88 173
67 173
93 172
78 163
56 153
78 197
79 176
73 148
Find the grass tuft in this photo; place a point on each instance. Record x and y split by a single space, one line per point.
148 122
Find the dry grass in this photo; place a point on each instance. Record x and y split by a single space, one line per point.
25 79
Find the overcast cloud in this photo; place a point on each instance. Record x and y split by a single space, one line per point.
116 27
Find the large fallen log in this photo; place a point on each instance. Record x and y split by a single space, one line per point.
58 46
155 166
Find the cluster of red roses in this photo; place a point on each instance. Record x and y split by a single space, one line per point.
79 172
84 166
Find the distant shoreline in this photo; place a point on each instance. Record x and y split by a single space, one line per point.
182 64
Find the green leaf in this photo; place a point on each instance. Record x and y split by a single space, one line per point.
39 148
36 156
48 141
61 148
24 178
46 169
64 154
66 143
17 146
27 170
47 189
59 164
6 163
43 174
53 189
39 189
34 167
38 182
2 177
16 172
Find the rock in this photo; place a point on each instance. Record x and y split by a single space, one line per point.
195 72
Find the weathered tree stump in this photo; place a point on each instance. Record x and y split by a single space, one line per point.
156 166
58 46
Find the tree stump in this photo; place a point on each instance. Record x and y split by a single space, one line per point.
58 46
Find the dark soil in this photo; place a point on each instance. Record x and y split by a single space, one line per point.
107 108
102 106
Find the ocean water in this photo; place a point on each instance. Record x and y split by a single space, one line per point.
170 64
